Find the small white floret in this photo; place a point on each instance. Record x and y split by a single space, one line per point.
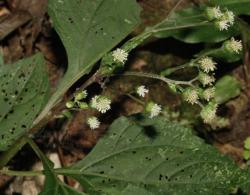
120 55
155 110
93 122
142 91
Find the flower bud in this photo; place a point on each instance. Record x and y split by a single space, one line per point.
213 13
232 46
70 104
80 95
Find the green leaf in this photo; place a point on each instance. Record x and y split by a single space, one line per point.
247 143
24 89
189 25
88 30
154 156
132 190
246 154
226 88
53 186
237 6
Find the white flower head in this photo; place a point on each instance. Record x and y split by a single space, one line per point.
209 93
216 12
153 109
206 79
208 112
142 90
223 24
207 64
120 55
225 21
93 122
80 95
191 96
233 45
229 16
213 12
101 103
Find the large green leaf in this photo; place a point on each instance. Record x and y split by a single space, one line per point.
24 91
89 29
154 156
189 25
237 6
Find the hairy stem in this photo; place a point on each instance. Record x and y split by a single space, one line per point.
158 77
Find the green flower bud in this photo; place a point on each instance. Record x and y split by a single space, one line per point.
213 13
70 104
80 95
208 112
206 79
191 95
246 154
83 105
153 109
232 46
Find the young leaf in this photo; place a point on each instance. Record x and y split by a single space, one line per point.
226 88
24 89
89 29
154 156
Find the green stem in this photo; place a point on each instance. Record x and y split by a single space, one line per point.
135 99
156 76
9 154
20 173
35 148
152 31
170 70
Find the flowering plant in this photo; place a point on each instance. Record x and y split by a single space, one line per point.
153 150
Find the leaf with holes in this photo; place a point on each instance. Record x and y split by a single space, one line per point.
23 93
89 29
157 157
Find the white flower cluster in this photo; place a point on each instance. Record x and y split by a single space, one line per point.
101 103
223 19
120 55
142 91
